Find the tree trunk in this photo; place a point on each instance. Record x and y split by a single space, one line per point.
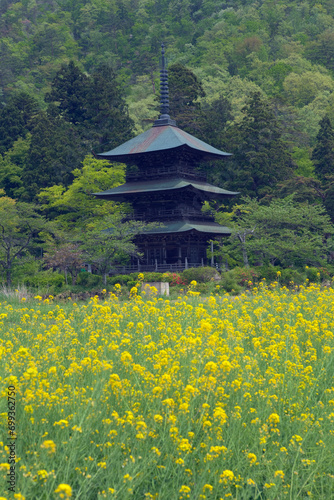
245 256
242 239
9 277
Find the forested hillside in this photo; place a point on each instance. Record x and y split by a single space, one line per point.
252 78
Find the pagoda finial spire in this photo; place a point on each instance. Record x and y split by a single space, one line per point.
164 118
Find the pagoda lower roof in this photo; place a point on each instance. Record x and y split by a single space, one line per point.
162 185
159 139
185 226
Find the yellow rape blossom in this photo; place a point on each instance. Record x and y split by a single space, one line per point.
64 491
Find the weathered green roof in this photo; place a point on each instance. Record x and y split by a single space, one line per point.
161 138
183 226
162 185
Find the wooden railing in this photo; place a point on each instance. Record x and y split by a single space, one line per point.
165 213
162 268
165 172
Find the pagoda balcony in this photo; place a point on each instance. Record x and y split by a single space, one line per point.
158 172
168 214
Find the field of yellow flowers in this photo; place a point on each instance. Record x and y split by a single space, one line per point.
198 398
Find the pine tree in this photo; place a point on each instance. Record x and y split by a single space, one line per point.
107 118
55 151
184 91
16 118
93 104
261 158
323 153
69 89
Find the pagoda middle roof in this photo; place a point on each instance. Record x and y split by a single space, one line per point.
159 139
185 226
163 185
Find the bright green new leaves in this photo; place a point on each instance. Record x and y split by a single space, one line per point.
76 205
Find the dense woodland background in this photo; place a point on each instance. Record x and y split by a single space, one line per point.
252 78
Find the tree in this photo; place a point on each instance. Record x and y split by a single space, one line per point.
75 207
323 153
301 89
184 91
261 158
93 104
68 90
16 119
215 117
55 151
110 242
283 232
12 164
21 226
240 229
68 258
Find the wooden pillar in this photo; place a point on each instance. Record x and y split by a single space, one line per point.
164 252
212 257
146 253
179 254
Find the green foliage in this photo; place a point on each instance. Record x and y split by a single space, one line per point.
323 153
21 229
229 283
16 119
75 206
268 273
304 164
55 151
94 104
291 277
261 159
46 282
283 232
122 279
110 242
200 274
84 56
184 90
89 281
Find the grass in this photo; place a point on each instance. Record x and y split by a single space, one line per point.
201 398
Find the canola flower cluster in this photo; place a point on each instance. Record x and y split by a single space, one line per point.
200 398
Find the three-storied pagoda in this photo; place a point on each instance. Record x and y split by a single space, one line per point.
163 185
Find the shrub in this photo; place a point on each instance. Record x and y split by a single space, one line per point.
153 276
291 276
173 279
200 274
89 280
46 281
244 275
229 282
122 279
268 273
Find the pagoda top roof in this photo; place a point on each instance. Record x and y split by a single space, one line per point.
159 139
163 185
184 226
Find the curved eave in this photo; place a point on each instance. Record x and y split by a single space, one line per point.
187 226
133 188
161 139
